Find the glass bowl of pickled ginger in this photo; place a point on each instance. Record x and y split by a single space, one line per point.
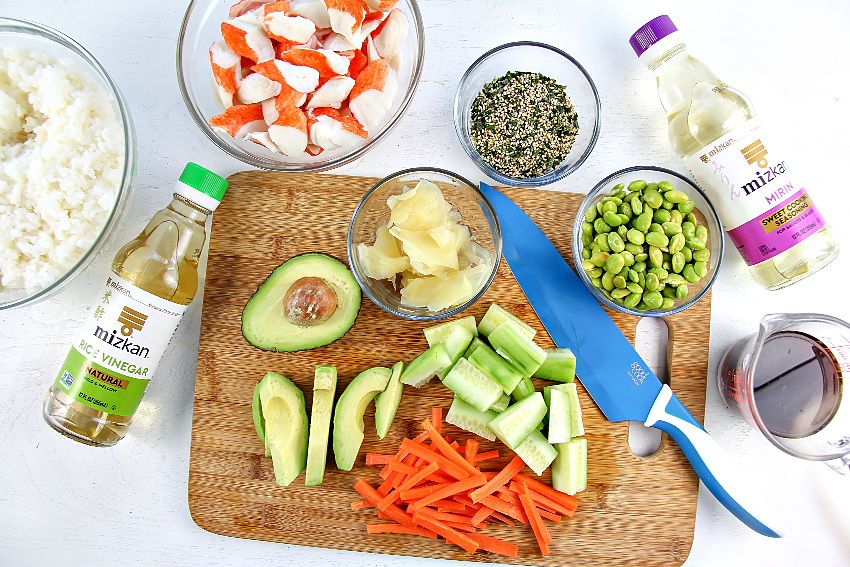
424 244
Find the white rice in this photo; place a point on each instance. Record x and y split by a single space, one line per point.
61 165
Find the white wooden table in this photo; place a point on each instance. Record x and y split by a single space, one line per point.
62 502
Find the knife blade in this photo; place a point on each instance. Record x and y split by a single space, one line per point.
607 365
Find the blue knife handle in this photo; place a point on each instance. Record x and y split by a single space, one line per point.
708 460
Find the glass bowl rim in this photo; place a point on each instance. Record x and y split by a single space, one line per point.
263 163
576 242
495 229
547 178
35 29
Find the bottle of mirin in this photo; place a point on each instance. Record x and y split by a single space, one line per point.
153 279
762 200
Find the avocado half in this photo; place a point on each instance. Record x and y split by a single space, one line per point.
264 321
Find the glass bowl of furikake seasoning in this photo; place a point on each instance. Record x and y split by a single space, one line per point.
527 114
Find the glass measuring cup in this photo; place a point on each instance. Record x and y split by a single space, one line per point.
787 381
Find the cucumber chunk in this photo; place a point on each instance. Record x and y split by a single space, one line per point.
513 425
476 342
536 452
485 359
349 429
421 369
523 352
576 423
560 430
524 389
455 336
496 315
468 418
501 404
559 366
475 387
569 469
324 388
387 402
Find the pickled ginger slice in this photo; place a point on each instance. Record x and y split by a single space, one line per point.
384 259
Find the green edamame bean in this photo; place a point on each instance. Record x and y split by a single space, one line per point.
652 282
634 287
596 273
601 241
632 300
636 236
688 254
590 214
691 217
652 299
665 186
676 216
655 227
667 303
641 257
669 292
608 207
675 196
637 185
586 239
677 242
614 263
674 280
587 265
702 255
701 269
586 227
656 257
642 221
628 257
639 266
690 274
652 198
678 262
636 205
686 206
618 187
682 291
600 226
661 216
597 282
652 186
633 276
670 228
695 243
615 243
634 248
689 229
585 253
701 233
599 258
612 199
619 282
612 219
658 239
620 293
608 281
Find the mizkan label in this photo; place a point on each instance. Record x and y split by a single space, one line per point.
119 347
763 207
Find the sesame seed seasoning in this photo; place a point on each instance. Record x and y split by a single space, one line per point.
523 124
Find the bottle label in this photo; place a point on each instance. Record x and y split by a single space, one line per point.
763 207
119 347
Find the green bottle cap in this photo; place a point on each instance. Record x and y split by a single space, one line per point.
204 181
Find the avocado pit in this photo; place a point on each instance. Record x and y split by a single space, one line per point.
309 301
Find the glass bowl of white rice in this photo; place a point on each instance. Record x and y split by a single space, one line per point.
67 160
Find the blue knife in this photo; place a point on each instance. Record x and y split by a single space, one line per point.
620 382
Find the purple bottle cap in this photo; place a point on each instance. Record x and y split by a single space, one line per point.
650 33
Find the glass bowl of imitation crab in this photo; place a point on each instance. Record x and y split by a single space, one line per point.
527 114
299 85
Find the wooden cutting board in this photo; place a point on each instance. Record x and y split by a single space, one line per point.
635 511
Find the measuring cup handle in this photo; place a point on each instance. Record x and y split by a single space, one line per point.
710 463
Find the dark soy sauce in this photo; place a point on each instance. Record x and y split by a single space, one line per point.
797 385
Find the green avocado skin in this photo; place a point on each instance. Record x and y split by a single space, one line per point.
264 324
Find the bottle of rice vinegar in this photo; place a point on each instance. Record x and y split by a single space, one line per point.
762 200
153 279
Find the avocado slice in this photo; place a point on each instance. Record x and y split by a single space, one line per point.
386 403
259 422
309 301
324 387
286 427
348 417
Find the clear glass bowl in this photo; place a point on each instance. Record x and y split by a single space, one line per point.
202 26
372 212
706 216
539 58
31 35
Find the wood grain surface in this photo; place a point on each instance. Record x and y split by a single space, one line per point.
635 511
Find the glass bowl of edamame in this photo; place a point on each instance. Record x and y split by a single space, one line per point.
527 114
647 242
